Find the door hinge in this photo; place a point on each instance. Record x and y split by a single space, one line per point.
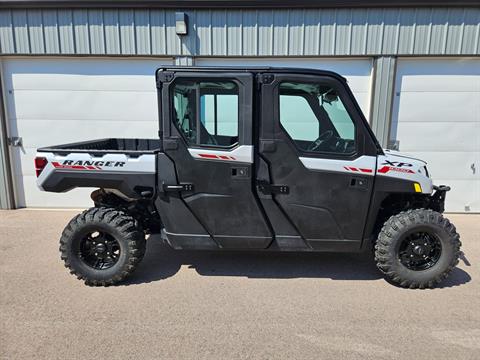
163 77
266 78
271 189
177 187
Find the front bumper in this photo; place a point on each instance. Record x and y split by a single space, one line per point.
437 199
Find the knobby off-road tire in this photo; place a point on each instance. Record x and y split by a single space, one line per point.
115 233
402 237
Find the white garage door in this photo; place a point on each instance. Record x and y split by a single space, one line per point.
55 101
357 71
437 118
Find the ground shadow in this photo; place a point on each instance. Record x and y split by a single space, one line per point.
162 262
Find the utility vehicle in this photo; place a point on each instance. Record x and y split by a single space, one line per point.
273 159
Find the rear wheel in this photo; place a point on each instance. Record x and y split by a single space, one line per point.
102 246
417 248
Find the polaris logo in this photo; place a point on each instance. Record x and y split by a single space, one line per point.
93 163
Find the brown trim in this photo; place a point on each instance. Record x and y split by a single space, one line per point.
233 3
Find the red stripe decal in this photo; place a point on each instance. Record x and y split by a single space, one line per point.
366 170
214 156
208 156
57 165
385 169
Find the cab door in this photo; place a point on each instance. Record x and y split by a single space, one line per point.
321 160
207 133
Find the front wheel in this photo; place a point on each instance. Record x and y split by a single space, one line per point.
417 248
102 246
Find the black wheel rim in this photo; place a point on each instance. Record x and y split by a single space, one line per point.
420 250
99 250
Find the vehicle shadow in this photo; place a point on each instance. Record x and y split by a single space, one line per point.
162 262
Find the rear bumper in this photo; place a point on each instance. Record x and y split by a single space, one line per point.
437 199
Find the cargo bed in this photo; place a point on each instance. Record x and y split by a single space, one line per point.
128 165
110 145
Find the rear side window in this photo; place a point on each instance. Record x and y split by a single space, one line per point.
206 113
315 118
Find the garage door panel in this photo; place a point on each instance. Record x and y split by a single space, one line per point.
440 106
464 195
448 165
65 131
443 136
423 75
85 105
57 101
437 118
76 198
45 74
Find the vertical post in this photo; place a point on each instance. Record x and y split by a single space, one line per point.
384 70
6 186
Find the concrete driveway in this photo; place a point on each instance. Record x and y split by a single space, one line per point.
202 305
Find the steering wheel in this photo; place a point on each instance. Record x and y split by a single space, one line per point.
323 138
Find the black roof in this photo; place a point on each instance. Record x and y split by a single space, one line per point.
251 69
178 4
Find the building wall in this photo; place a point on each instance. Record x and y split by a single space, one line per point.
264 32
379 33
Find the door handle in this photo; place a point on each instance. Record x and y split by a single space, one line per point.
473 168
359 183
240 172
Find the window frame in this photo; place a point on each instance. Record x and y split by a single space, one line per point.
285 78
198 80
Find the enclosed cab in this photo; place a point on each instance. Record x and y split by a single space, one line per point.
252 159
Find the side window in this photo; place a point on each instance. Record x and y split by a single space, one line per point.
315 118
206 113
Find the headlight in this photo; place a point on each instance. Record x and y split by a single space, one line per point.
423 170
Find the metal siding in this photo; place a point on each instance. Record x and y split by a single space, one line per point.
219 33
112 32
359 32
35 31
127 32
234 33
381 109
142 32
66 32
96 31
263 32
50 29
173 41
250 33
158 32
327 32
80 32
343 36
20 32
7 42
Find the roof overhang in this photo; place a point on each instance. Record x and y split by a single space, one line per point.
192 4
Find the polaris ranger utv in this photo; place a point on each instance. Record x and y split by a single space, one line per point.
275 159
